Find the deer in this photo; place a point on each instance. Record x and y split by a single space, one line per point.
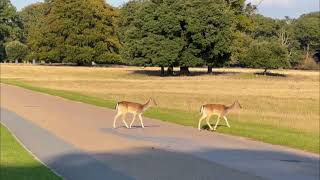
136 109
220 110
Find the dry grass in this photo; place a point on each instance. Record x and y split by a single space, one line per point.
290 102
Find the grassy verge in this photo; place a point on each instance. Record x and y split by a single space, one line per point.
17 163
266 133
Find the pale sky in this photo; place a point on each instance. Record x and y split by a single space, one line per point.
270 8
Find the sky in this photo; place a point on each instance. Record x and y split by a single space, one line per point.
270 8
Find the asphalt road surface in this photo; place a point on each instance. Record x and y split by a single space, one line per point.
77 142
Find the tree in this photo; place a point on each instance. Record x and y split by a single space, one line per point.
176 33
242 36
16 51
287 39
211 26
10 25
150 33
32 17
265 27
240 45
266 55
78 31
307 32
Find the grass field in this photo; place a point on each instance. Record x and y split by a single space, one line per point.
280 109
17 163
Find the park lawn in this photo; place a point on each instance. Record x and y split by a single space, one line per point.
17 163
290 100
294 138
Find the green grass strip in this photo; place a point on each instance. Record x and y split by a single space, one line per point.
266 133
17 163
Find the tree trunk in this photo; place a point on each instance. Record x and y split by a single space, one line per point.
170 71
184 71
307 52
209 69
265 71
162 71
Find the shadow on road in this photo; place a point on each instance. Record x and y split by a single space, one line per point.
150 162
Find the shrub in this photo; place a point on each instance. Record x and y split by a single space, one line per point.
15 50
266 55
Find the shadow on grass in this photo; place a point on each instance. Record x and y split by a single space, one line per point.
157 73
30 172
271 74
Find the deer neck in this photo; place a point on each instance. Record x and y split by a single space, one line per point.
229 108
146 105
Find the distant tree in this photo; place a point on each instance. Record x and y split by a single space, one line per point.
16 51
265 27
176 33
306 29
32 15
78 31
244 15
33 20
287 38
10 26
266 55
150 34
240 45
210 26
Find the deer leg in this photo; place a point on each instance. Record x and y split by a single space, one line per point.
124 120
200 120
134 118
115 119
225 118
215 127
141 121
207 120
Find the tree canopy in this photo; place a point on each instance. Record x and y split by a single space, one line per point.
307 32
77 31
266 55
16 51
10 25
176 33
164 33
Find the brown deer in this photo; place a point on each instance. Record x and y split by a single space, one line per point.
216 109
125 107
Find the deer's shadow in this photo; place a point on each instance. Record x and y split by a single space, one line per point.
206 127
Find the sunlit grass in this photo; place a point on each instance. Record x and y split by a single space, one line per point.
266 133
16 163
279 110
288 102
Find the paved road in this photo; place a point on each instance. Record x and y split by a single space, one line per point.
76 141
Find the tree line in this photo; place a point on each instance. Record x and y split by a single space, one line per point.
163 33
